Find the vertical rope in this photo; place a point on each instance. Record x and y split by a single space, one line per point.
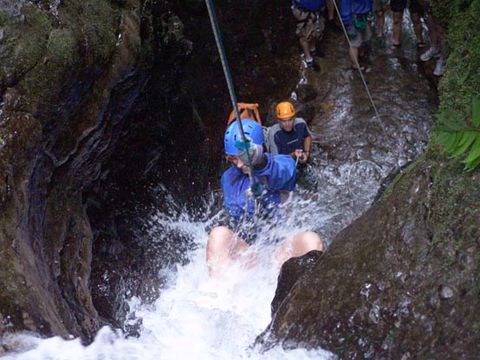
228 76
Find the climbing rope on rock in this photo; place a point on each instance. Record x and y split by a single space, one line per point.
377 115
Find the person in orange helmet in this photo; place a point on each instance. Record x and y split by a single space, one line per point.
291 135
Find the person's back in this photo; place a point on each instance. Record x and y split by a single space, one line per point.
276 176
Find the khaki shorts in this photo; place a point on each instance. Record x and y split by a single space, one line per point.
309 24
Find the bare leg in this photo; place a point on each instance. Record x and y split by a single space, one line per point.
312 44
298 245
417 27
330 10
380 23
354 56
397 27
433 32
223 247
305 44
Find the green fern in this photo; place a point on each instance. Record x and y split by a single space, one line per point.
458 138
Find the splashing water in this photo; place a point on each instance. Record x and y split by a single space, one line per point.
195 317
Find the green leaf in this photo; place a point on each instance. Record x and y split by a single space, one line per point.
474 154
464 78
443 129
441 138
476 111
468 137
473 165
452 142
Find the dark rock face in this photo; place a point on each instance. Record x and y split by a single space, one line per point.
401 281
291 271
67 82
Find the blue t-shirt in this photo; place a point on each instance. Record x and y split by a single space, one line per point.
280 141
278 175
309 5
349 8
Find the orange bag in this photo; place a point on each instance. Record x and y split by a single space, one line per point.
247 111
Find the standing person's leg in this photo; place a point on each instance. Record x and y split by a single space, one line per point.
397 6
434 50
298 245
305 27
380 23
223 247
416 13
417 28
443 49
364 50
356 42
330 10
380 8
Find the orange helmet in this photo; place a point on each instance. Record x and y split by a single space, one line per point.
285 110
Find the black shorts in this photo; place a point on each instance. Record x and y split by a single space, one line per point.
400 5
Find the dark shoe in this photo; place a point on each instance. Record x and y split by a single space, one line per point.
311 65
354 68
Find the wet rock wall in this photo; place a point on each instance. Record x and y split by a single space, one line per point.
70 73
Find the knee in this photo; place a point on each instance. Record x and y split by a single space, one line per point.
311 241
397 18
219 238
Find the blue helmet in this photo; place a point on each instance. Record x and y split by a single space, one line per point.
252 130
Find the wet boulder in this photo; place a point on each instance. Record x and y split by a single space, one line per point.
402 280
290 272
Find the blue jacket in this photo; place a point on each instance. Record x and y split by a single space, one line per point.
309 5
278 174
353 7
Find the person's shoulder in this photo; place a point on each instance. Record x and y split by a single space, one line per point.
299 120
274 129
278 161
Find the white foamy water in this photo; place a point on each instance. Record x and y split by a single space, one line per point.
195 317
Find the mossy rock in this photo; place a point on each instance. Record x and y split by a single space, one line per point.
462 78
23 44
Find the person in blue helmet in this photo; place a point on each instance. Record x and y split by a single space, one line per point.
354 17
274 177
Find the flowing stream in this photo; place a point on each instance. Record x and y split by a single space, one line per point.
195 317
